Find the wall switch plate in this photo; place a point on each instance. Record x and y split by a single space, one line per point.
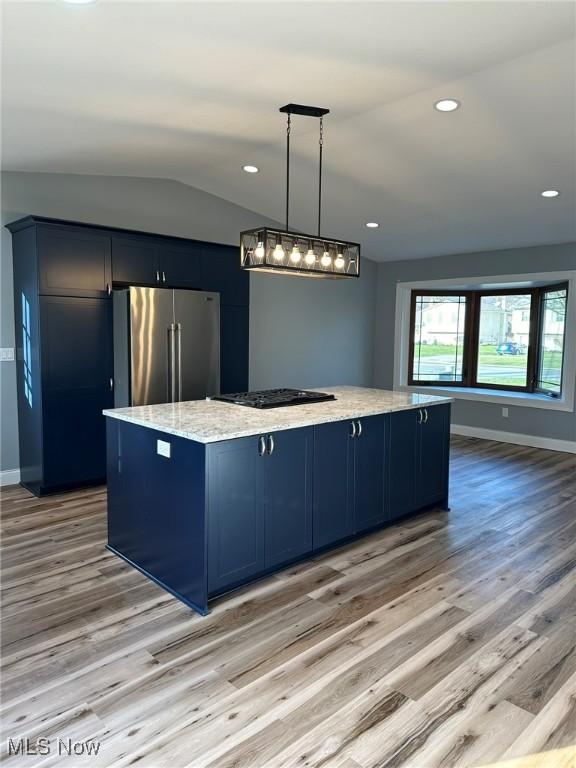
163 448
7 354
505 412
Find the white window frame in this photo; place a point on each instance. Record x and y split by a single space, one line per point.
529 399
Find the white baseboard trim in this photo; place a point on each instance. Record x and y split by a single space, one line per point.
9 477
566 446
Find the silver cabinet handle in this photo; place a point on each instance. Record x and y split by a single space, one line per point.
157 275
359 427
270 445
163 276
420 417
108 289
172 363
353 433
111 384
178 335
425 415
261 446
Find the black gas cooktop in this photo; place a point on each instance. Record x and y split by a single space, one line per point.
275 398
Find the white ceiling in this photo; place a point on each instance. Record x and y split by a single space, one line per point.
190 91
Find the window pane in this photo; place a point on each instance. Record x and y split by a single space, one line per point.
503 340
439 338
549 375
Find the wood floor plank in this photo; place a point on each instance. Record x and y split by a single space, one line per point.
447 640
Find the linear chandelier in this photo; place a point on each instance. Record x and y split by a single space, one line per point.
268 249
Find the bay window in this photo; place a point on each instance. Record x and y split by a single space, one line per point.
509 339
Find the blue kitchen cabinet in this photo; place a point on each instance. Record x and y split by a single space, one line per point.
403 440
349 478
73 261
418 466
156 513
179 265
135 261
286 471
260 505
432 457
156 262
333 483
234 342
75 387
221 272
235 512
369 473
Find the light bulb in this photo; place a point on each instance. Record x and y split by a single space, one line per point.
339 261
310 257
259 251
295 256
326 259
278 252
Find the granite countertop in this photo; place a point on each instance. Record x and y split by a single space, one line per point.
209 421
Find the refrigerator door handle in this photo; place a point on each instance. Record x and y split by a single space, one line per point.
179 360
171 363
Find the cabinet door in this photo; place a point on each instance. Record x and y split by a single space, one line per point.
369 473
135 261
234 340
221 272
73 262
76 344
179 266
433 455
236 513
402 462
156 507
287 482
333 483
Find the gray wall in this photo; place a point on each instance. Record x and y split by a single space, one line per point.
302 332
529 421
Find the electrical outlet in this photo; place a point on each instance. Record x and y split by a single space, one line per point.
163 448
7 354
505 412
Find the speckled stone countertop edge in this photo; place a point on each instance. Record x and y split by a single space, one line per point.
212 433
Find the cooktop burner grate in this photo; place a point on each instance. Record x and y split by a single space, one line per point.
275 398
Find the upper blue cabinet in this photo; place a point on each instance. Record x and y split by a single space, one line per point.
179 265
221 272
73 261
134 261
163 263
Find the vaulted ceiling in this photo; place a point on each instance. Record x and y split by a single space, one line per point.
190 91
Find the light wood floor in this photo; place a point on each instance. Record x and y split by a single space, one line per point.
448 640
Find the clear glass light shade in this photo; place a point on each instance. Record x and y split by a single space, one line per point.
273 250
310 257
295 255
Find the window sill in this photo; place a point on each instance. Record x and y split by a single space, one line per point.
527 399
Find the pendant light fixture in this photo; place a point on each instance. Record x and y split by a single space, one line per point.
267 249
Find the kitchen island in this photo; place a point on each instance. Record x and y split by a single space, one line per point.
206 496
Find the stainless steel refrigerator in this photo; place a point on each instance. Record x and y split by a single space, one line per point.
166 345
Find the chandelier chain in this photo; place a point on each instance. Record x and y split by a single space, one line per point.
288 169
320 145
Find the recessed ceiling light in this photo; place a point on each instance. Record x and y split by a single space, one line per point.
372 224
550 193
250 168
447 105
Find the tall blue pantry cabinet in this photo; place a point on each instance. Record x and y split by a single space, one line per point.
64 274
